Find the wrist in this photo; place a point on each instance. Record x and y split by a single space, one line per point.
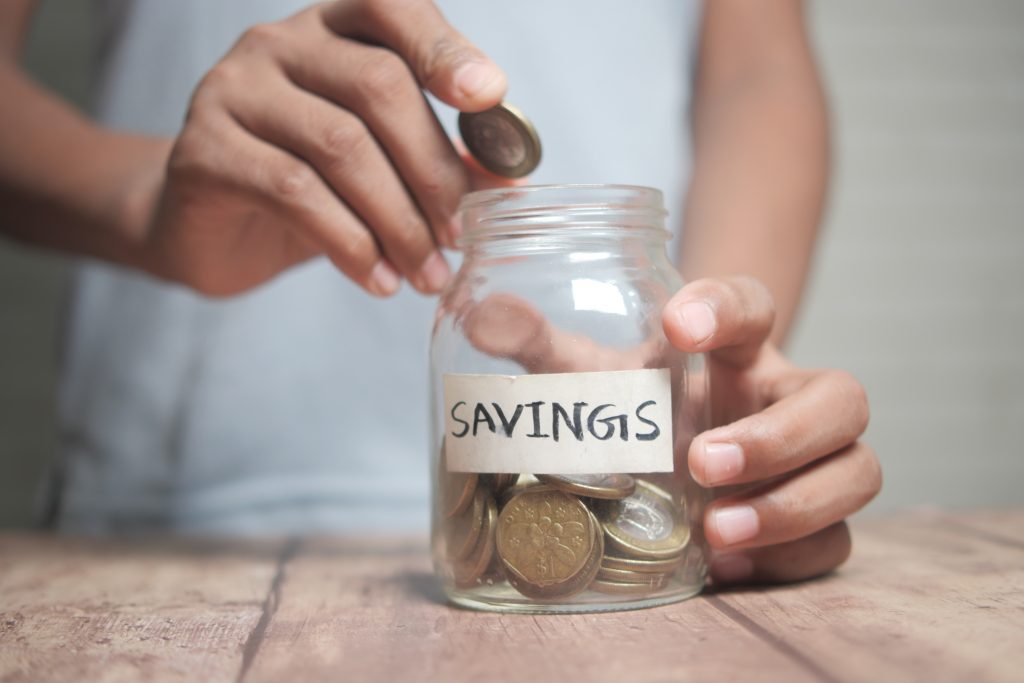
136 183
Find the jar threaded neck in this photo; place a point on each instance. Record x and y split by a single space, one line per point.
615 210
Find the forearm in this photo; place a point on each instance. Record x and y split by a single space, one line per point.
761 163
68 184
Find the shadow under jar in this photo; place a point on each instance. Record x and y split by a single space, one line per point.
560 414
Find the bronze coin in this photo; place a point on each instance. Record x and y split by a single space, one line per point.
502 481
469 571
456 488
569 588
462 532
605 486
502 139
546 539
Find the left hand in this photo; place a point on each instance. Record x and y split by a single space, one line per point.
790 435
784 446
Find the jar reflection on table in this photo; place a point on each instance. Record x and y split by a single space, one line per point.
561 416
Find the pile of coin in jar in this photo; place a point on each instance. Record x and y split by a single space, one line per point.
553 536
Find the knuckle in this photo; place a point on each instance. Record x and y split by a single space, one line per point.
344 140
442 56
222 75
380 12
290 182
384 77
412 240
768 445
752 297
445 183
360 250
192 158
435 191
263 37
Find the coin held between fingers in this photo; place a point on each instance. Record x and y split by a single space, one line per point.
502 139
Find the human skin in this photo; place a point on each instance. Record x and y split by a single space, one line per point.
351 164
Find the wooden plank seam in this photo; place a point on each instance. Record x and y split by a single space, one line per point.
760 632
270 603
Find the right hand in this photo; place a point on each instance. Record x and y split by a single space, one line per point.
312 135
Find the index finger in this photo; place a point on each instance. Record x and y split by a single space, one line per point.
730 317
444 61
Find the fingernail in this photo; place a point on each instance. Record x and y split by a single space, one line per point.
736 524
433 274
698 319
732 568
384 280
722 462
475 78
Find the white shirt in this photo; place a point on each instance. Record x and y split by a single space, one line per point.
273 411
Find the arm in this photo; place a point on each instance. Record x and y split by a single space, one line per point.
283 155
63 180
761 151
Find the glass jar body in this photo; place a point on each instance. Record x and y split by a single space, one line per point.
561 416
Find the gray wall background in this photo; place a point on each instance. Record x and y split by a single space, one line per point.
919 282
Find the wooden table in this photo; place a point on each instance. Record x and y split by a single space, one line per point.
927 595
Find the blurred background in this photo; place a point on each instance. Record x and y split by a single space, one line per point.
919 280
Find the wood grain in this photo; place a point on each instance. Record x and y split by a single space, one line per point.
931 595
73 609
366 611
920 596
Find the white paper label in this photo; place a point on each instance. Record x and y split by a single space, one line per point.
571 423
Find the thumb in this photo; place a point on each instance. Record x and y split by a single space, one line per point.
443 60
730 317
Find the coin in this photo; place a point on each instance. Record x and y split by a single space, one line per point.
646 525
456 488
546 540
620 588
576 584
625 576
502 481
470 570
643 566
502 139
463 531
523 483
607 486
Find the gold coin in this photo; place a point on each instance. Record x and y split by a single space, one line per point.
463 531
502 139
523 483
642 566
606 486
625 576
646 525
456 488
574 585
620 588
546 538
470 570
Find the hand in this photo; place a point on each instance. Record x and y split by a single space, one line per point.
784 450
789 435
313 136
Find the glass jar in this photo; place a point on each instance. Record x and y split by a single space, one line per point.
561 416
